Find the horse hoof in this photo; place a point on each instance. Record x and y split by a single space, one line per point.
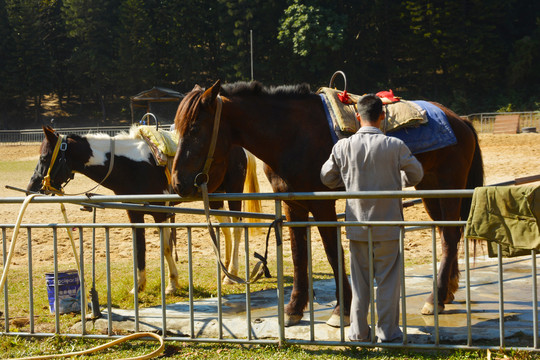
227 281
141 289
170 291
335 322
291 320
429 309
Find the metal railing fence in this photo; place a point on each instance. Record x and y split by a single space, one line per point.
227 332
484 124
18 137
485 121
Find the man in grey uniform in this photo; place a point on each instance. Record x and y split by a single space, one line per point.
371 161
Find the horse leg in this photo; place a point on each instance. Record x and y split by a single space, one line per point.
168 240
321 212
168 253
452 237
237 234
294 211
294 310
448 274
140 249
232 247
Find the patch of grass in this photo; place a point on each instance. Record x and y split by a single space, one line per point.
27 347
205 283
13 172
24 347
10 170
18 166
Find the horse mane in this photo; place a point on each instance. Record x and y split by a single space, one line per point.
131 134
189 107
255 88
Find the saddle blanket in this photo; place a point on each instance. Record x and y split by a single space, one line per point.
163 143
508 216
434 134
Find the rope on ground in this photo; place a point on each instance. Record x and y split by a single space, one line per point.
155 353
14 239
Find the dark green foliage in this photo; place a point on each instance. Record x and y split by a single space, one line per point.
7 59
471 55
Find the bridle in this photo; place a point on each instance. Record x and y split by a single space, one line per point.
59 163
210 157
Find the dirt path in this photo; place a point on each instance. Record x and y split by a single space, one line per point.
506 157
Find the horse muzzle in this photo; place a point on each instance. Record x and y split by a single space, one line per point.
183 186
35 185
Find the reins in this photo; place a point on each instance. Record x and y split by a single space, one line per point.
261 267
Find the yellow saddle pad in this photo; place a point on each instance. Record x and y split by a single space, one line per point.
162 142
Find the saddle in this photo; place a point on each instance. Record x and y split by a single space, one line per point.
421 125
340 107
399 113
343 115
162 143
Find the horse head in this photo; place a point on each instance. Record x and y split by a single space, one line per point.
54 168
203 146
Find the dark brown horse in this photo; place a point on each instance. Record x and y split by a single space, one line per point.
286 127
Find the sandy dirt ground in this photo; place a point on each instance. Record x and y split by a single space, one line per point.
506 157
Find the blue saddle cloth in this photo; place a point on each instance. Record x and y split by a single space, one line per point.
434 135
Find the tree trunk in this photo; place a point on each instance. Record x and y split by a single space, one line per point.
37 109
103 110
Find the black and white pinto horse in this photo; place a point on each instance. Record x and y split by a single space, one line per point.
135 171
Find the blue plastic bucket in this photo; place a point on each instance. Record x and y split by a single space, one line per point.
69 294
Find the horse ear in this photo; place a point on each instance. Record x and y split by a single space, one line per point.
50 134
216 88
210 95
197 87
217 85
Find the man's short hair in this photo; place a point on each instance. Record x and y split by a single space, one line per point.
370 107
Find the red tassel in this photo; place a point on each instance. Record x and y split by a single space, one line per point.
388 97
344 97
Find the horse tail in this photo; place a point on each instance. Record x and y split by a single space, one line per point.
251 185
475 177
